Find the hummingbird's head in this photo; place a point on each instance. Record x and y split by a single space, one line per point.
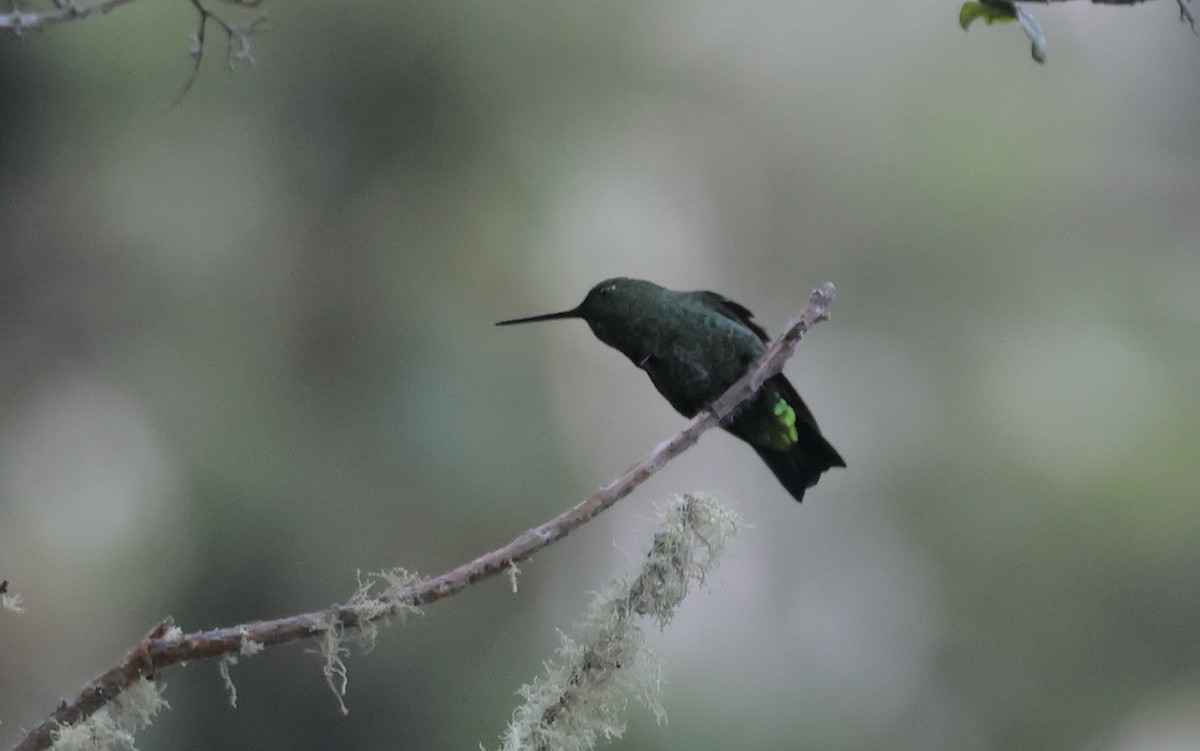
616 298
617 311
606 307
613 304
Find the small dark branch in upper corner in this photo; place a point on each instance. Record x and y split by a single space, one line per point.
20 17
237 36
1185 15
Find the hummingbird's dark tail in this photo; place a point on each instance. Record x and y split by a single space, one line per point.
785 434
802 465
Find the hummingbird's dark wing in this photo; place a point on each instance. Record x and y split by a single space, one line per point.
734 312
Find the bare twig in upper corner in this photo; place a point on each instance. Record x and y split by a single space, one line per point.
1185 15
237 37
237 31
64 10
1000 11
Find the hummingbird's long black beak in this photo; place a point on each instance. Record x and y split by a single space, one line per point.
572 313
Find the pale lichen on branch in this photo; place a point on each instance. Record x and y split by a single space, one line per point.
581 695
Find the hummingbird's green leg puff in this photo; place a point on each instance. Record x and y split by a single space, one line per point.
694 346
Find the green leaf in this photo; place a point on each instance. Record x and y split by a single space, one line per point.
990 13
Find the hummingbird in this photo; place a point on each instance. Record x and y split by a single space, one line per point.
694 346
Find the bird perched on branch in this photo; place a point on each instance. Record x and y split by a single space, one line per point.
694 346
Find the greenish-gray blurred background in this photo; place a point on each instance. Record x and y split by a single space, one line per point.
246 349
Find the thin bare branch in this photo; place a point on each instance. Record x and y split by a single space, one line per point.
1185 13
163 647
64 10
237 36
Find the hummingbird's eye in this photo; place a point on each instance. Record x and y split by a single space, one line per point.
608 289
